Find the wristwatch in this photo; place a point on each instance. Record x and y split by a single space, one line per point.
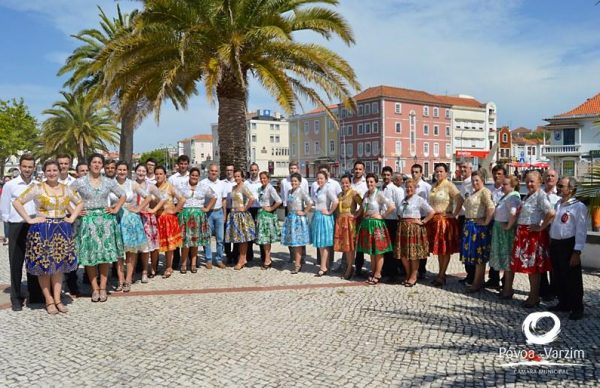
577 251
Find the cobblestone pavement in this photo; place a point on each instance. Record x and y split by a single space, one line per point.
272 329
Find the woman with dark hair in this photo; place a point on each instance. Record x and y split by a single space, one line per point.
240 227
169 230
530 247
192 218
149 221
267 224
50 249
98 240
325 203
345 227
477 233
295 232
373 236
442 230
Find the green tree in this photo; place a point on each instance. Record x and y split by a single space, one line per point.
78 125
162 156
222 43
86 75
18 130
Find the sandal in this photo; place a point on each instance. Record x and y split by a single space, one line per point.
144 278
51 309
438 282
267 266
238 267
95 296
167 273
119 287
151 275
348 275
409 284
193 269
103 295
321 273
183 270
374 280
62 308
297 269
126 287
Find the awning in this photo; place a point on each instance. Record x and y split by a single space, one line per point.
541 165
471 153
527 164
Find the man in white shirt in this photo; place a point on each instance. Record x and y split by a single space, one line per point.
81 169
216 216
547 291
253 183
64 164
179 179
359 184
391 267
550 181
422 190
286 184
466 189
17 233
231 250
150 166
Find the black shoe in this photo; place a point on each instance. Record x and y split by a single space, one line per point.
548 298
422 276
576 315
492 284
358 273
17 307
529 305
464 281
558 307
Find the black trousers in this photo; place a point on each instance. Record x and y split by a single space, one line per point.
390 263
71 278
250 253
569 280
17 238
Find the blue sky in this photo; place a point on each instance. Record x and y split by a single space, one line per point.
533 58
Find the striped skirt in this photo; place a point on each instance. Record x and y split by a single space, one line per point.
268 230
132 230
50 248
411 242
345 234
530 253
443 235
295 231
373 237
240 227
502 242
151 230
476 241
321 230
194 227
169 232
98 239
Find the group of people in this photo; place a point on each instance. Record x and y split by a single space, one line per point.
96 220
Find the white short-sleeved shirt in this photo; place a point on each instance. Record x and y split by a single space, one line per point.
414 207
220 190
507 206
534 208
323 197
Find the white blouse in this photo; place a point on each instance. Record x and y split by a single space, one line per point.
196 196
570 221
323 197
534 208
506 206
414 207
375 203
298 200
267 196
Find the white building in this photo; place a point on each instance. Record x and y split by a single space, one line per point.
199 148
268 142
574 136
473 128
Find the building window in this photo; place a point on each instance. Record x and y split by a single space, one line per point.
253 138
375 148
367 149
447 131
398 148
504 138
436 112
375 127
413 120
360 110
253 125
398 108
359 129
436 149
317 126
294 149
398 127
367 109
359 149
253 153
277 127
306 148
272 139
331 146
271 126
375 107
306 129
349 130
426 149
425 111
349 150
448 150
367 128
436 130
447 113
426 168
317 148
343 114
276 138
425 129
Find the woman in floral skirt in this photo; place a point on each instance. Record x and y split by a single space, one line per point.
345 226
267 223
295 232
240 227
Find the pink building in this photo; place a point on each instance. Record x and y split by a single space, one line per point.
396 127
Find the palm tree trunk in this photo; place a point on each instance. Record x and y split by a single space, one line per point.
126 136
232 130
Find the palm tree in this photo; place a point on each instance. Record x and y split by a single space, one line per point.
87 75
222 43
77 125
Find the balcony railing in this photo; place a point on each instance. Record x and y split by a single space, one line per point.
573 149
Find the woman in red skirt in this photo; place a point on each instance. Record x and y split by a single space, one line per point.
442 230
169 230
530 249
345 226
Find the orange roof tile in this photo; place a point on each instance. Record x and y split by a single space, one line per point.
207 138
461 101
520 131
321 109
398 93
589 108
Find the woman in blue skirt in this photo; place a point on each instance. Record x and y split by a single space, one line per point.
50 249
322 225
295 232
477 232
